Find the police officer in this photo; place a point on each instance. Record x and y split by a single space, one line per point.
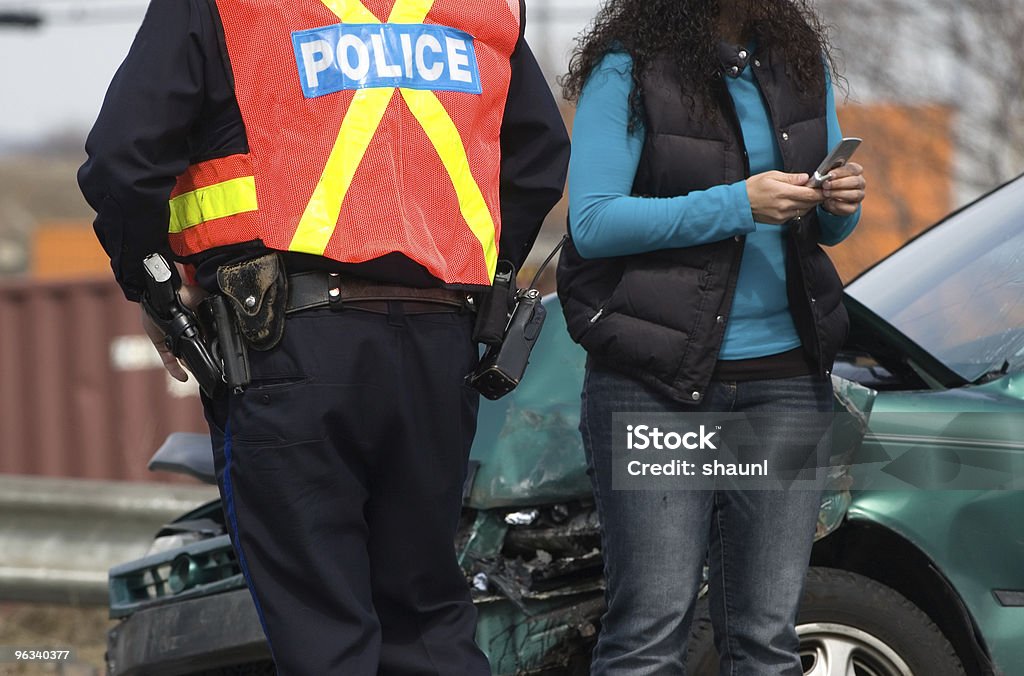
386 153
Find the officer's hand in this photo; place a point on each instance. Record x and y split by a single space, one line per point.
776 197
190 297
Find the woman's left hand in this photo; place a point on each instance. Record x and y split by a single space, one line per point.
844 191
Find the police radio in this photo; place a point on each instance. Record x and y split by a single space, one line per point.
502 366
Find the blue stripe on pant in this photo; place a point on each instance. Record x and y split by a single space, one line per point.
232 517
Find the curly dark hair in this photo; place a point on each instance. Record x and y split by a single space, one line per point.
688 30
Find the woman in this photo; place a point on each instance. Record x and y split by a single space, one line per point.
695 280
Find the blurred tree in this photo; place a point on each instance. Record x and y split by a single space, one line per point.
964 54
937 93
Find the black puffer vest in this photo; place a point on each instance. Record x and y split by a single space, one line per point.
661 316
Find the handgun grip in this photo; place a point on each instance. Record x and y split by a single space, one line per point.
159 284
185 341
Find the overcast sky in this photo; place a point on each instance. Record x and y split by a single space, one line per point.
52 78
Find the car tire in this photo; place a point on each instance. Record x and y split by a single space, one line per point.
848 620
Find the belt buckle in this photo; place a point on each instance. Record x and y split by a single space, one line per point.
334 299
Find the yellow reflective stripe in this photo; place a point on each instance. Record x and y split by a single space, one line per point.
410 11
362 119
446 139
403 11
359 126
235 196
351 11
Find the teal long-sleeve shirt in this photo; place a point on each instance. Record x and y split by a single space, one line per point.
606 220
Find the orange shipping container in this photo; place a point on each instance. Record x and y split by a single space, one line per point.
82 391
65 250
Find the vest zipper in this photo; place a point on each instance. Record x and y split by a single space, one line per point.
597 315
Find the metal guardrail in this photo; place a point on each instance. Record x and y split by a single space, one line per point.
58 537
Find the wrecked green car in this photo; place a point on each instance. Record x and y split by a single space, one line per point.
918 569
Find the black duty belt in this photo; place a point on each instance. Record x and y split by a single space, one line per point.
317 288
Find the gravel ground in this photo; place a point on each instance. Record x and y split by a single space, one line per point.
82 629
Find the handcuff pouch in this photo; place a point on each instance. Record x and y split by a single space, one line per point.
257 292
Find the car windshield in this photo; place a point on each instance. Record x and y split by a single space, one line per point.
958 289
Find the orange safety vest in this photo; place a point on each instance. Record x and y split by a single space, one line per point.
373 128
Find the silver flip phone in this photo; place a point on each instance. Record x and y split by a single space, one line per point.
839 156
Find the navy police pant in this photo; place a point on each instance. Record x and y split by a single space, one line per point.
341 470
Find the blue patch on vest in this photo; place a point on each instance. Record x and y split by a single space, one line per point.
359 56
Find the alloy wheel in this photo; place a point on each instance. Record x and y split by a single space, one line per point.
828 649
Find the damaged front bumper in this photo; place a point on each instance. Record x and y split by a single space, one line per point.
537 587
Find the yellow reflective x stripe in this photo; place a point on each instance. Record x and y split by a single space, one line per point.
351 11
410 11
364 114
235 196
442 133
362 119
357 129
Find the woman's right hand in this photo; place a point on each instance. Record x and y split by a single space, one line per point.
777 197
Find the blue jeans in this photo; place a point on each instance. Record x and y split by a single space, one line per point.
757 544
